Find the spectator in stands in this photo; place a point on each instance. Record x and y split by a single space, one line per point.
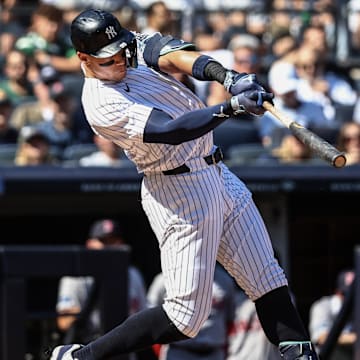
306 113
219 23
281 45
8 135
33 149
210 343
290 151
16 82
325 17
323 313
349 142
316 83
77 292
257 25
158 19
58 128
315 37
11 28
42 109
246 54
235 25
280 21
354 27
42 43
108 154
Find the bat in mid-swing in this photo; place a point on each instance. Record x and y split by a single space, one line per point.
318 145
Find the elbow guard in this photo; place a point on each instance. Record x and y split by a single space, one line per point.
158 45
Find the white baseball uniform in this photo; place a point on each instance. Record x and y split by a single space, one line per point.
198 217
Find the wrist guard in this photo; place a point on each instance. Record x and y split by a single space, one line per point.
207 68
236 107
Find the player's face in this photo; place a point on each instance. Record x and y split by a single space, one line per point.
112 68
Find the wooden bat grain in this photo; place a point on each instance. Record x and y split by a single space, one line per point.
318 145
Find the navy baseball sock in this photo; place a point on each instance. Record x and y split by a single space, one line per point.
279 318
139 331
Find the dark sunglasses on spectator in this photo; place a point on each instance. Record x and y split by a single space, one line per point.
247 60
355 137
306 66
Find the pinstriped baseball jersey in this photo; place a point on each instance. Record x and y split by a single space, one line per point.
198 217
119 111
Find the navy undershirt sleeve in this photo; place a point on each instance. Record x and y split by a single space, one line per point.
161 128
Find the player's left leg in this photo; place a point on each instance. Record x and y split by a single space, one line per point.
246 252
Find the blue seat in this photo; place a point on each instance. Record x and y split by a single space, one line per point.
77 151
7 154
234 132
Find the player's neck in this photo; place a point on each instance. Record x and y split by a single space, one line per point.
86 70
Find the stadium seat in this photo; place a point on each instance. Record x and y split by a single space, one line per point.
245 154
234 132
7 154
77 151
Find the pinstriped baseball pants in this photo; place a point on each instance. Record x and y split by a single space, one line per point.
200 217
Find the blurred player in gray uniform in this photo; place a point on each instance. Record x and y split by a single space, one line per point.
323 313
246 339
211 341
199 210
76 292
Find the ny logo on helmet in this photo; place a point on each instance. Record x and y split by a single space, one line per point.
110 32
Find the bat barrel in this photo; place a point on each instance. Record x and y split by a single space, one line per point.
318 145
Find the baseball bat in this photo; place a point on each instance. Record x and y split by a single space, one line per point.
317 144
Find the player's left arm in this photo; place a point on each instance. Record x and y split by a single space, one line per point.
171 55
181 61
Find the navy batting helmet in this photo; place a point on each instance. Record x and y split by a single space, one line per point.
99 34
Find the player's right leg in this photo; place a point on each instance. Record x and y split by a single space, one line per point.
137 332
188 236
186 215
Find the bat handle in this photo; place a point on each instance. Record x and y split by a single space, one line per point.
279 115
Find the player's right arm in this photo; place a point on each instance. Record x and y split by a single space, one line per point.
161 128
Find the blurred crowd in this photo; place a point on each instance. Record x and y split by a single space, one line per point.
305 52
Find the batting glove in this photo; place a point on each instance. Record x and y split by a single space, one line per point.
250 101
236 83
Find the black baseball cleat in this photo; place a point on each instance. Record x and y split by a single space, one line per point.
65 352
297 350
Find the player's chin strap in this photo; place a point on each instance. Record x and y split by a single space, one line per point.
297 350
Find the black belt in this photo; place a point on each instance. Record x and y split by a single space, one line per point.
211 159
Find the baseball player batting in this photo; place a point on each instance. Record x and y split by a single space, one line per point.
199 210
